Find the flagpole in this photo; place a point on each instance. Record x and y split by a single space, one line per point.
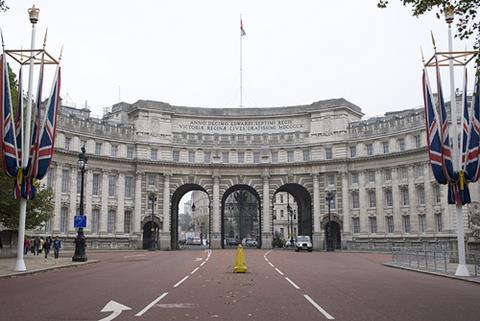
241 60
20 263
461 267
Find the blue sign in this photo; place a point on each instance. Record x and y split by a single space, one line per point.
80 221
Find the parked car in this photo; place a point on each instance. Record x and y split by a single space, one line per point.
251 242
231 241
302 242
196 241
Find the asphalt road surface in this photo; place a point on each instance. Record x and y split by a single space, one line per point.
199 285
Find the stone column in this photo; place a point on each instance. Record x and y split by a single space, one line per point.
380 202
412 201
347 232
363 198
216 235
267 235
396 200
72 211
317 230
429 201
120 203
58 199
165 237
104 204
137 219
87 191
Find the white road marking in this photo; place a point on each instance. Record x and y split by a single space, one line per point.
319 308
176 305
114 307
196 269
145 309
198 259
292 283
281 273
181 281
127 256
265 255
271 264
203 263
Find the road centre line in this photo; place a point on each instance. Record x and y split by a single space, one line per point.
271 264
196 269
145 309
203 263
281 273
319 308
181 281
292 283
127 256
265 255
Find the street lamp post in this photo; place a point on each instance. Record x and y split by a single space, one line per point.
80 244
329 197
152 198
290 215
193 218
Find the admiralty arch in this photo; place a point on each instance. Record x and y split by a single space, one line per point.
375 170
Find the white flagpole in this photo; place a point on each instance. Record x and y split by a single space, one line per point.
241 60
20 264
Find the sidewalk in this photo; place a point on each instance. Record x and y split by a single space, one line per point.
37 264
451 268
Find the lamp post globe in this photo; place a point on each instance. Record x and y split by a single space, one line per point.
80 243
153 242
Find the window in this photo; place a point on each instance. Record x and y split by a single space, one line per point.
406 223
290 156
355 200
354 178
67 143
154 154
191 156
328 153
387 174
96 185
95 221
112 185
64 220
111 221
332 204
207 157
274 157
176 155
306 155
256 157
369 149
353 151
79 182
241 157
405 200
281 198
386 147
114 150
403 172
438 196
372 200
50 178
388 198
390 224
421 195
422 223
438 222
98 148
356 224
331 179
129 152
127 222
416 140
401 144
371 176
129 186
373 224
151 179
65 180
225 157
83 143
419 171
281 213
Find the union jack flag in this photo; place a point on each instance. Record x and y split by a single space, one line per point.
472 164
433 133
8 150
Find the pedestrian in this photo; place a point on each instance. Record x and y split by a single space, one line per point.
46 246
36 245
42 241
57 245
26 245
32 245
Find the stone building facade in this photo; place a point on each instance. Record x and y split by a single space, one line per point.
377 169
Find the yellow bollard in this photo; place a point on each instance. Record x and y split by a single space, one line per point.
240 264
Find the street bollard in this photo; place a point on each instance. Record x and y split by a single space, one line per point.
240 264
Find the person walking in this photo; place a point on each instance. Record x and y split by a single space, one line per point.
36 245
46 246
26 245
57 245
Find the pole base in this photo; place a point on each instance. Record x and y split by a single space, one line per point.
80 248
462 270
20 266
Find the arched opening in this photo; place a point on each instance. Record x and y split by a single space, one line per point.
333 236
151 232
190 218
241 217
291 215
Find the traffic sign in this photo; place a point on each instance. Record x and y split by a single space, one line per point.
80 221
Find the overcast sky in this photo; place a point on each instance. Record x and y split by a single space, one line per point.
186 52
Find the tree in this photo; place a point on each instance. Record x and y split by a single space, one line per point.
3 6
40 209
467 20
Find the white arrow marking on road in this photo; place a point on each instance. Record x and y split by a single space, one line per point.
198 259
114 307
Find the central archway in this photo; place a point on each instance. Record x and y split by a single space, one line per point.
203 227
241 219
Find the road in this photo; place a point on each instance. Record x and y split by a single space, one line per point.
199 285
